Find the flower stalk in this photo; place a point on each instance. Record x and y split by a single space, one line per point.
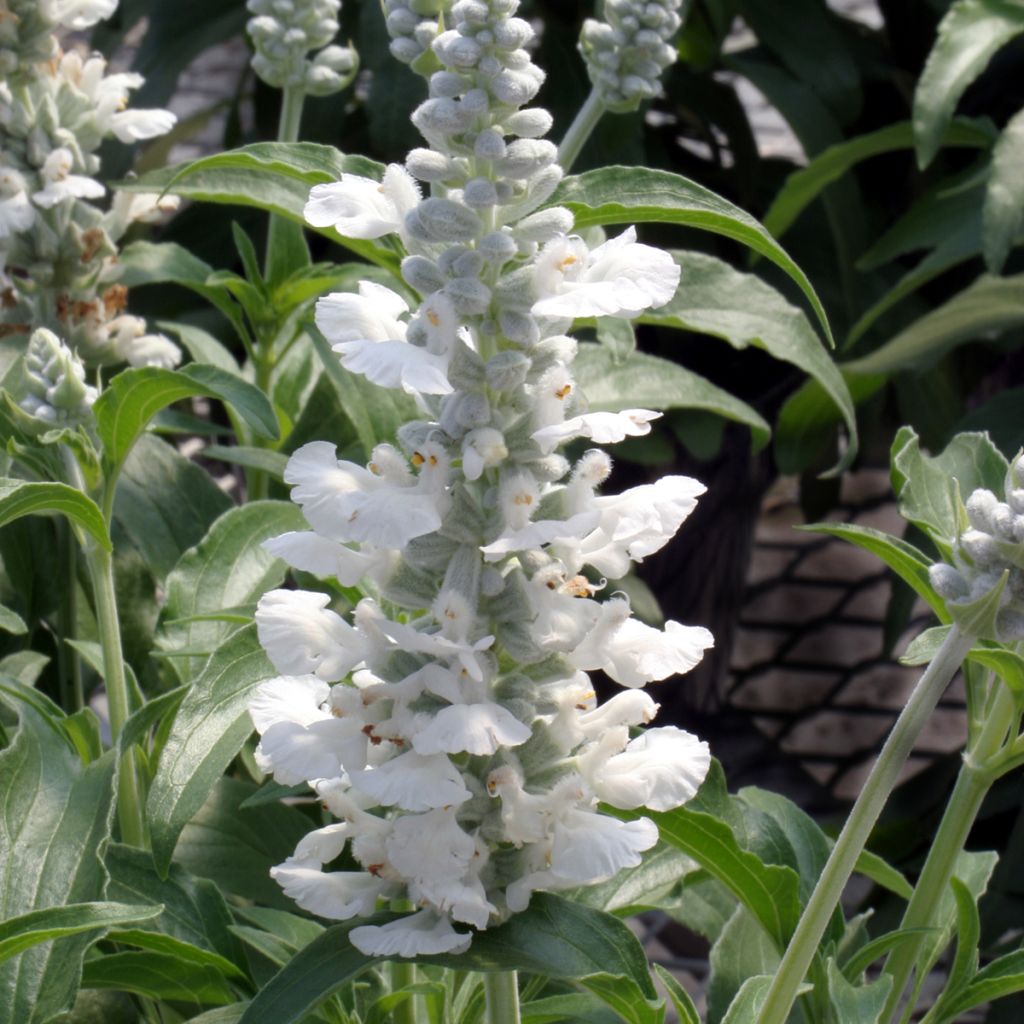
857 830
973 782
580 130
502 991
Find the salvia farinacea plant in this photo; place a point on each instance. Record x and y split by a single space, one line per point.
450 724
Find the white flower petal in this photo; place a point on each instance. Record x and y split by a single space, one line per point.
372 315
338 895
413 782
661 769
308 551
296 699
545 531
135 125
396 364
301 635
322 845
295 754
419 934
602 427
358 207
478 729
591 847
430 846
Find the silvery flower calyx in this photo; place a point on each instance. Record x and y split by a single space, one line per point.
627 50
988 553
58 250
284 32
449 723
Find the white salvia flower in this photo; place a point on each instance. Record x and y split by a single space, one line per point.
359 207
461 783
77 14
16 214
131 126
602 427
61 184
621 277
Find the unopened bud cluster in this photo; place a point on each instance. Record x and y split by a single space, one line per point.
57 249
57 391
27 30
413 26
991 547
627 52
449 723
284 32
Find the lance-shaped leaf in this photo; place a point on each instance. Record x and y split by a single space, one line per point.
644 381
24 498
56 818
158 976
803 186
19 933
134 396
209 729
630 195
970 33
1003 212
1006 664
713 298
861 1003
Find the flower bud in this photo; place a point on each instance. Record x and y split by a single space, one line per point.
57 392
545 225
497 247
422 274
446 221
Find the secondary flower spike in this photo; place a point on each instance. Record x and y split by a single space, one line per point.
449 723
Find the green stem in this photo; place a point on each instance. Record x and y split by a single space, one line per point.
403 975
502 991
69 665
972 784
129 797
856 831
579 131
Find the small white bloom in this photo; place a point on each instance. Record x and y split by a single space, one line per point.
634 654
619 278
661 769
421 934
136 125
536 535
346 502
16 213
430 846
602 427
482 449
61 184
358 207
479 729
413 782
338 895
77 14
309 552
301 635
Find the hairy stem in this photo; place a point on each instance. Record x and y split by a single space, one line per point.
403 975
579 131
855 833
69 665
972 784
502 990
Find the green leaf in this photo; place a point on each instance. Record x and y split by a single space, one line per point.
24 498
649 382
713 298
55 818
926 486
617 336
681 1001
770 892
988 307
630 195
19 933
554 937
903 558
742 951
745 1008
209 729
968 934
158 976
861 959
882 873
1003 213
970 33
1003 977
803 186
1006 664
150 714
165 503
11 621
133 397
272 176
860 1003
235 846
226 569
179 949
194 909
641 888
375 412
270 462
202 346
